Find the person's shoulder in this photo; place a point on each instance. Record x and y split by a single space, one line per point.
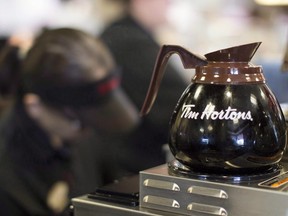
125 27
8 205
126 21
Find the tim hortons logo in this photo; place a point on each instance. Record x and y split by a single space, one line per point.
210 113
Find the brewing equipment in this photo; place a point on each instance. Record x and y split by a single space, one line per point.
228 139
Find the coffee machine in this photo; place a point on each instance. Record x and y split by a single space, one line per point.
228 139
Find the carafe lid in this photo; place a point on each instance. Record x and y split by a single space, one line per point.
230 66
242 53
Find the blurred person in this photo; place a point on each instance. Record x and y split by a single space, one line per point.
67 83
9 71
7 79
284 66
131 39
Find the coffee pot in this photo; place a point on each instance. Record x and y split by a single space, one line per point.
227 121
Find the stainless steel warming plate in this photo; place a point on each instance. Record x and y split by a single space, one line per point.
189 196
164 194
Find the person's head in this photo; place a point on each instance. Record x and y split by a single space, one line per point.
68 79
149 13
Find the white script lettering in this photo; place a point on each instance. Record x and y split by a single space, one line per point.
188 113
210 113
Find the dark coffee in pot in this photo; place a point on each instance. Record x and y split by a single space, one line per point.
227 121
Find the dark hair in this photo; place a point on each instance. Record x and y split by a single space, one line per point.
59 57
65 56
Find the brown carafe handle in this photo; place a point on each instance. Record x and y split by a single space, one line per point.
188 59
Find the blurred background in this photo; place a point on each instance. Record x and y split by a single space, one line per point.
200 26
